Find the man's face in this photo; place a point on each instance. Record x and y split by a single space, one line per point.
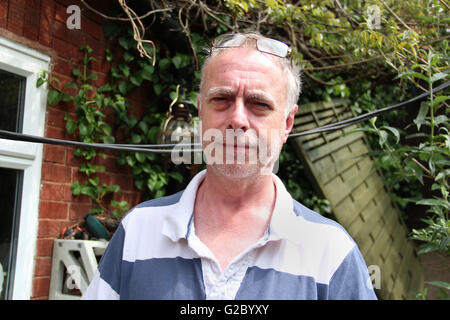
244 92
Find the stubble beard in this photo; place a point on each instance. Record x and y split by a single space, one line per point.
263 165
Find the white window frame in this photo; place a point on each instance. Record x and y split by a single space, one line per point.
26 156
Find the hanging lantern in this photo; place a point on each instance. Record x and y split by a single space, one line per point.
178 127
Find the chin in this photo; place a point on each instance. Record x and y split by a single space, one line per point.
236 171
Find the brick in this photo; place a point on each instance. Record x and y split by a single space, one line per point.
124 181
92 28
3 13
41 287
110 164
53 210
75 37
16 12
71 160
49 228
44 248
64 67
61 14
55 154
67 50
46 22
31 20
56 192
56 132
43 266
78 211
56 173
55 118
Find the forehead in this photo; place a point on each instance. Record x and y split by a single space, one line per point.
244 67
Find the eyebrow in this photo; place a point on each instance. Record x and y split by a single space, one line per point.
256 94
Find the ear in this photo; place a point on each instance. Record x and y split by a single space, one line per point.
289 123
198 104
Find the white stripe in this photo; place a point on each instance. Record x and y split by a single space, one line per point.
315 250
99 289
144 239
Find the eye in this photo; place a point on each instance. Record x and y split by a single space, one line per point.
260 105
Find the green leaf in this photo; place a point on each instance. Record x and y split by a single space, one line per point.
140 157
136 139
71 125
438 100
125 70
125 43
128 57
177 176
423 111
54 97
76 188
40 81
109 139
438 76
440 284
84 129
106 88
177 61
131 161
89 191
76 72
136 80
164 64
93 77
394 131
123 87
443 244
158 89
383 135
413 74
434 202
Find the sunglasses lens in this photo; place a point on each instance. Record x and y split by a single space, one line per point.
266 45
229 40
272 46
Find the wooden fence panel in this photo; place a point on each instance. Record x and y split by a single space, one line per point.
358 196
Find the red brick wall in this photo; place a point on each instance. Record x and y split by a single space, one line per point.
41 24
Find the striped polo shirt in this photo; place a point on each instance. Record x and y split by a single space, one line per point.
155 254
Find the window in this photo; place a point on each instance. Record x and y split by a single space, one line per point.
10 194
22 109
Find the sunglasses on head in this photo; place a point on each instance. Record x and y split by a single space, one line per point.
266 45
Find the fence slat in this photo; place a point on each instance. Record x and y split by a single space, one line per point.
358 197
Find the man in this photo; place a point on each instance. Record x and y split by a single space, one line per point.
235 232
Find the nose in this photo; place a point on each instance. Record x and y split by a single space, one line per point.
238 118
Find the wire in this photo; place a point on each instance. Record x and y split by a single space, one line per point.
187 147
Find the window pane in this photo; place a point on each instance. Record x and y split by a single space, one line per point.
10 195
12 91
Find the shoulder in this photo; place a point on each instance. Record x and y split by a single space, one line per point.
150 208
323 227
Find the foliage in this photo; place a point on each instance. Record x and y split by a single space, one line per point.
89 126
374 52
292 173
151 172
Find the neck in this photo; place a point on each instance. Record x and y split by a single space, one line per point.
226 200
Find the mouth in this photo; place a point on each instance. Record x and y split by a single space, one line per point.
237 147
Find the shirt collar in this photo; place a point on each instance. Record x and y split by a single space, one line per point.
178 221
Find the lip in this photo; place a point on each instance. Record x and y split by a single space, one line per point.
236 147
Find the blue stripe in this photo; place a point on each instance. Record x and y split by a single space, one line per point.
161 202
270 284
162 278
110 263
349 282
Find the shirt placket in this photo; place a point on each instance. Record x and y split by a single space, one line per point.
222 285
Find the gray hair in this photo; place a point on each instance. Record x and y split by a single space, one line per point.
294 83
